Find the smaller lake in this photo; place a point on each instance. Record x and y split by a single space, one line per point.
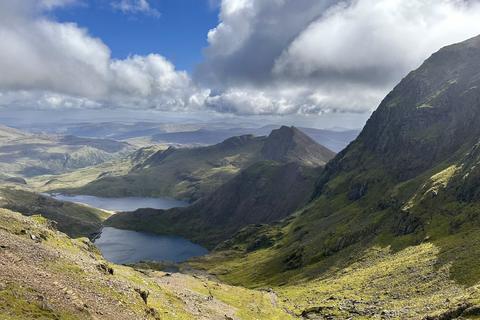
125 246
122 204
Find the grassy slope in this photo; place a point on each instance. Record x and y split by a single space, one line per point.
74 219
180 173
81 177
55 277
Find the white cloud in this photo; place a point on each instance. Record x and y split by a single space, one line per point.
289 99
135 7
340 55
386 37
44 62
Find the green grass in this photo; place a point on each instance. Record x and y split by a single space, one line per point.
188 173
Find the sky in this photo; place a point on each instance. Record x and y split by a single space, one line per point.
179 34
328 63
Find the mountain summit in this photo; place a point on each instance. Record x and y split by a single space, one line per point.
289 144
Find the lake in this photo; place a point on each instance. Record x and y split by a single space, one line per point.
122 204
126 246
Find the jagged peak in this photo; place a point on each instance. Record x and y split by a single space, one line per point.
289 144
287 131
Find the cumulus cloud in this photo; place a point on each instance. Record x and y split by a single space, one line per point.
339 55
290 99
61 65
134 7
251 34
377 41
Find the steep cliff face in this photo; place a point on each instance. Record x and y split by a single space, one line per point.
430 115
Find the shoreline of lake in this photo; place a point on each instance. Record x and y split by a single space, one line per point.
129 246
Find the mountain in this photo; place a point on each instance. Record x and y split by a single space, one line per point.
289 144
28 155
80 177
394 226
192 173
266 191
108 130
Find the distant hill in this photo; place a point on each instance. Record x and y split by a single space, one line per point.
333 140
194 134
27 155
192 173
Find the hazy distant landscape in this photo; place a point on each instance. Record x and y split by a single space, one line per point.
194 134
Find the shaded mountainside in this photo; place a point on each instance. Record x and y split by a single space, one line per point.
264 192
29 155
409 183
73 219
46 275
192 173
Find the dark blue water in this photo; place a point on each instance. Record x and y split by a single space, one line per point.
125 246
123 204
